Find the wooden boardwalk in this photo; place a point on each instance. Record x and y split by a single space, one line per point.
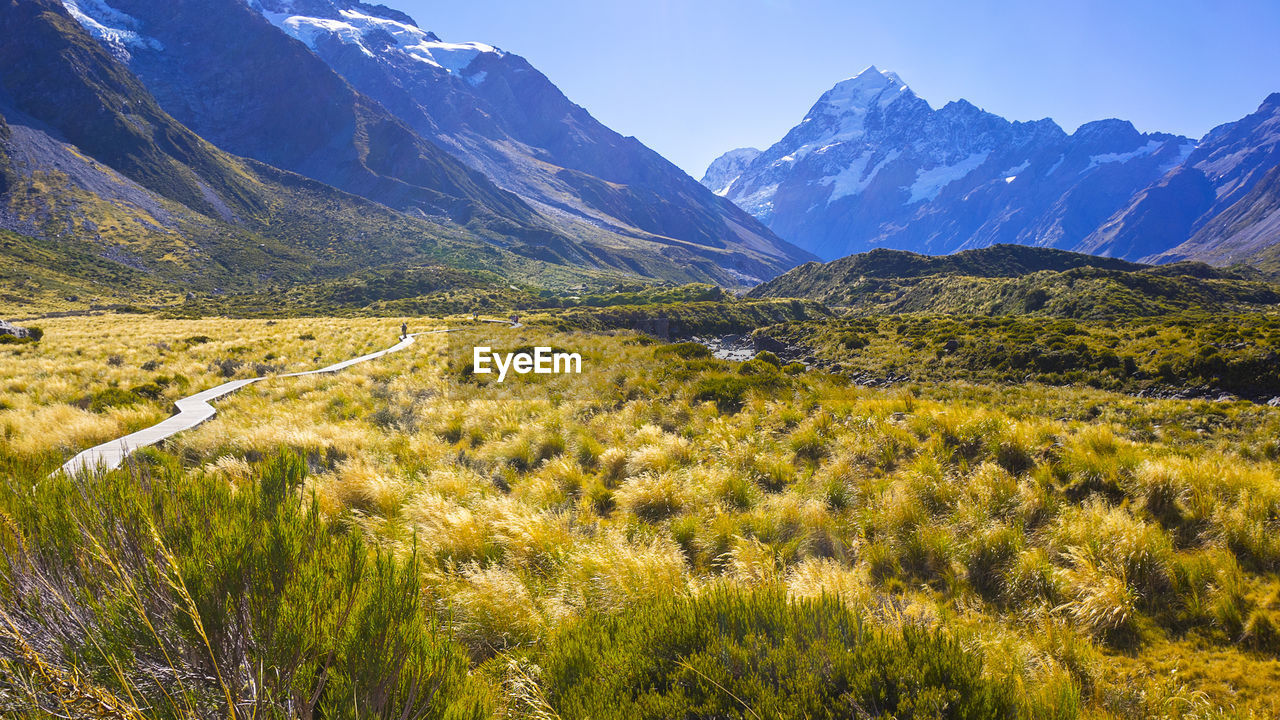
195 409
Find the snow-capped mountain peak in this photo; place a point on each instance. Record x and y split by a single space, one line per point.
852 99
843 112
869 86
873 165
727 168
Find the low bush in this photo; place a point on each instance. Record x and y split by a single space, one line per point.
732 654
110 397
730 392
34 335
206 585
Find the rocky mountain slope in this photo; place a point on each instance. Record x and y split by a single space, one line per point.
357 96
873 165
1220 205
497 113
104 191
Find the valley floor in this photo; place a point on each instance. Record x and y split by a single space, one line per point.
666 534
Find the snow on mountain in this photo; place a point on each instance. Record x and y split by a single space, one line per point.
1216 200
931 182
352 27
841 114
115 30
355 95
727 168
855 178
873 165
500 115
1120 157
1012 173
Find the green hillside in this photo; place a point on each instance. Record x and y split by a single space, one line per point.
111 200
1017 280
115 202
1177 355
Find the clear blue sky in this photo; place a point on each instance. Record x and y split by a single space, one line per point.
693 78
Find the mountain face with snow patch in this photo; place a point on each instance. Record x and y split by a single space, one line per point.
1222 205
728 168
102 189
873 165
497 113
358 96
243 86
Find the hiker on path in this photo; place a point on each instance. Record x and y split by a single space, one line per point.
404 329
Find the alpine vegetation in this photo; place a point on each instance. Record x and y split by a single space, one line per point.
543 544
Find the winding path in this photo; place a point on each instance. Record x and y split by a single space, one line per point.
195 409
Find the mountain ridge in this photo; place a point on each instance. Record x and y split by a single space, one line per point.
96 174
873 165
379 74
498 113
1212 196
1019 279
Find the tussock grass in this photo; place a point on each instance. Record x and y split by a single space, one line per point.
1049 540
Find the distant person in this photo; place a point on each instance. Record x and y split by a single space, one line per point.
515 319
404 329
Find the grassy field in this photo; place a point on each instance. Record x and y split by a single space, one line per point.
664 535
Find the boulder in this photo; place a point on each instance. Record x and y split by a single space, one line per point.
8 328
764 343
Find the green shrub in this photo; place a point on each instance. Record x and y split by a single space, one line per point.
110 397
34 334
756 366
729 392
733 654
852 341
150 391
194 579
765 356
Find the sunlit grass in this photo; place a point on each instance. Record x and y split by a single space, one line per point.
1067 535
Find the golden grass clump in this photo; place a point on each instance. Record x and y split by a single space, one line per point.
359 485
614 573
816 577
493 610
445 529
652 496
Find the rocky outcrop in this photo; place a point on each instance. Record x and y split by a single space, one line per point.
8 329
